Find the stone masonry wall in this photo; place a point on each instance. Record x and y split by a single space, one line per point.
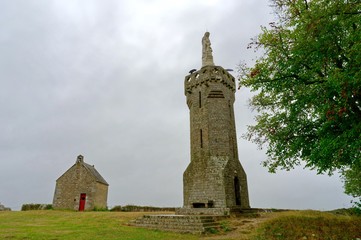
101 195
72 183
210 179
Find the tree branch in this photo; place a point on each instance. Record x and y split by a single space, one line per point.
306 4
351 13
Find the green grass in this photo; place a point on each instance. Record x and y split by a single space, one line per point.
310 225
66 225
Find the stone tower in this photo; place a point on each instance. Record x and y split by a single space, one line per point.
214 181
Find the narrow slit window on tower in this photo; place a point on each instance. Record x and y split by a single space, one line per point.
230 109
201 135
200 99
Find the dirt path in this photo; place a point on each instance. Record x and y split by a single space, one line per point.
243 227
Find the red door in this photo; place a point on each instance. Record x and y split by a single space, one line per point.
82 201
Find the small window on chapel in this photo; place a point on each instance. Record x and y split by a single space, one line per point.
201 136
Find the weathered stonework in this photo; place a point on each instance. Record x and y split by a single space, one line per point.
81 178
215 178
180 223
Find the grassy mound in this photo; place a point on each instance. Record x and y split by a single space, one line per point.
310 225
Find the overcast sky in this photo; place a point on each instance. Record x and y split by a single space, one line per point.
105 79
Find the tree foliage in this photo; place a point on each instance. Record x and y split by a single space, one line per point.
352 179
352 184
307 85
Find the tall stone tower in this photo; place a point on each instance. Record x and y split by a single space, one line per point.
214 181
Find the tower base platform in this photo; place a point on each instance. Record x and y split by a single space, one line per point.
203 211
195 224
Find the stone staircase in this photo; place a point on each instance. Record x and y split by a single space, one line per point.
196 224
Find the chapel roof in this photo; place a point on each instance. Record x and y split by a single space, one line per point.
95 173
90 168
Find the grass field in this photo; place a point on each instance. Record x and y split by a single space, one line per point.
67 225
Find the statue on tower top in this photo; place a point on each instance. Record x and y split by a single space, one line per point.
207 57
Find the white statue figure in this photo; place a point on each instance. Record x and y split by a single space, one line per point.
207 57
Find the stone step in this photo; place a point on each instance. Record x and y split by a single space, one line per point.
208 223
177 230
179 223
175 226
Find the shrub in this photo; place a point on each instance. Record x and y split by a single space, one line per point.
225 226
212 230
135 208
36 206
100 209
357 207
117 208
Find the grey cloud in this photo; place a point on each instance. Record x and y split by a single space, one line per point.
101 80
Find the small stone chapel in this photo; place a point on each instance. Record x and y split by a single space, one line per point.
80 188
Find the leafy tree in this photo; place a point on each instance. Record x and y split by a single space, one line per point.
352 183
307 86
352 180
